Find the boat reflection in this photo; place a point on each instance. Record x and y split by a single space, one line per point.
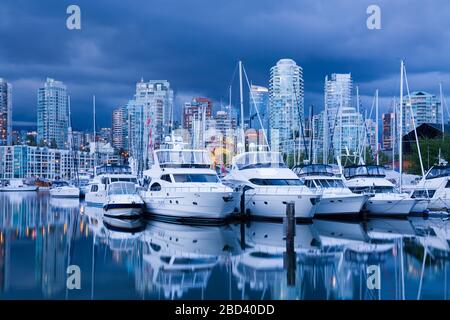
180 258
146 259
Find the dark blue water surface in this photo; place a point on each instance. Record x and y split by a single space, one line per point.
40 237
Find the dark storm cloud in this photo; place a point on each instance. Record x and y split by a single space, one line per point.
195 43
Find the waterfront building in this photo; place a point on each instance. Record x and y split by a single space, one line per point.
195 110
286 105
42 162
5 113
79 140
105 135
259 103
371 135
120 128
343 128
150 116
52 115
387 133
426 108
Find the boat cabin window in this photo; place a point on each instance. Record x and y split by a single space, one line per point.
438 172
329 183
310 184
255 160
424 193
364 171
113 169
183 158
166 177
94 188
121 188
155 187
314 169
447 186
361 190
60 184
134 180
277 182
207 178
383 189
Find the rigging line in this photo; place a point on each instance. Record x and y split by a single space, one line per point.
413 120
256 108
301 122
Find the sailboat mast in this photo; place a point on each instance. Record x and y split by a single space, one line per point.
393 133
241 98
95 133
442 111
400 140
325 129
72 164
376 127
358 139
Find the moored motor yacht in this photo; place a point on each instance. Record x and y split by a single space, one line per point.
181 184
105 175
384 198
16 185
268 185
62 189
337 198
435 186
122 200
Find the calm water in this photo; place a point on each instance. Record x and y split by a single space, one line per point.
40 237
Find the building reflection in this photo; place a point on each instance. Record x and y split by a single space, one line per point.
180 258
34 242
40 237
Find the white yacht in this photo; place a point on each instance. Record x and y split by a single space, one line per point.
62 189
337 198
181 184
435 186
179 258
268 185
105 175
82 182
122 200
16 185
384 199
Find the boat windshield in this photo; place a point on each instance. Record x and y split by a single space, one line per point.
183 158
60 184
208 178
329 183
112 169
364 171
438 172
122 179
121 188
255 160
277 182
314 169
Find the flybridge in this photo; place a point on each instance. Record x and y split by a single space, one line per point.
364 171
183 159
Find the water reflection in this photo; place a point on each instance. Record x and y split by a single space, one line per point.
137 259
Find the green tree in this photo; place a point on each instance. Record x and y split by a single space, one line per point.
430 153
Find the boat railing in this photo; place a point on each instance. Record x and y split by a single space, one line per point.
291 190
196 189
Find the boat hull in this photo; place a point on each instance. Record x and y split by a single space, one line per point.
125 210
341 205
198 205
65 193
266 205
19 189
392 205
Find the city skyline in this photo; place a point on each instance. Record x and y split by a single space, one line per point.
89 61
